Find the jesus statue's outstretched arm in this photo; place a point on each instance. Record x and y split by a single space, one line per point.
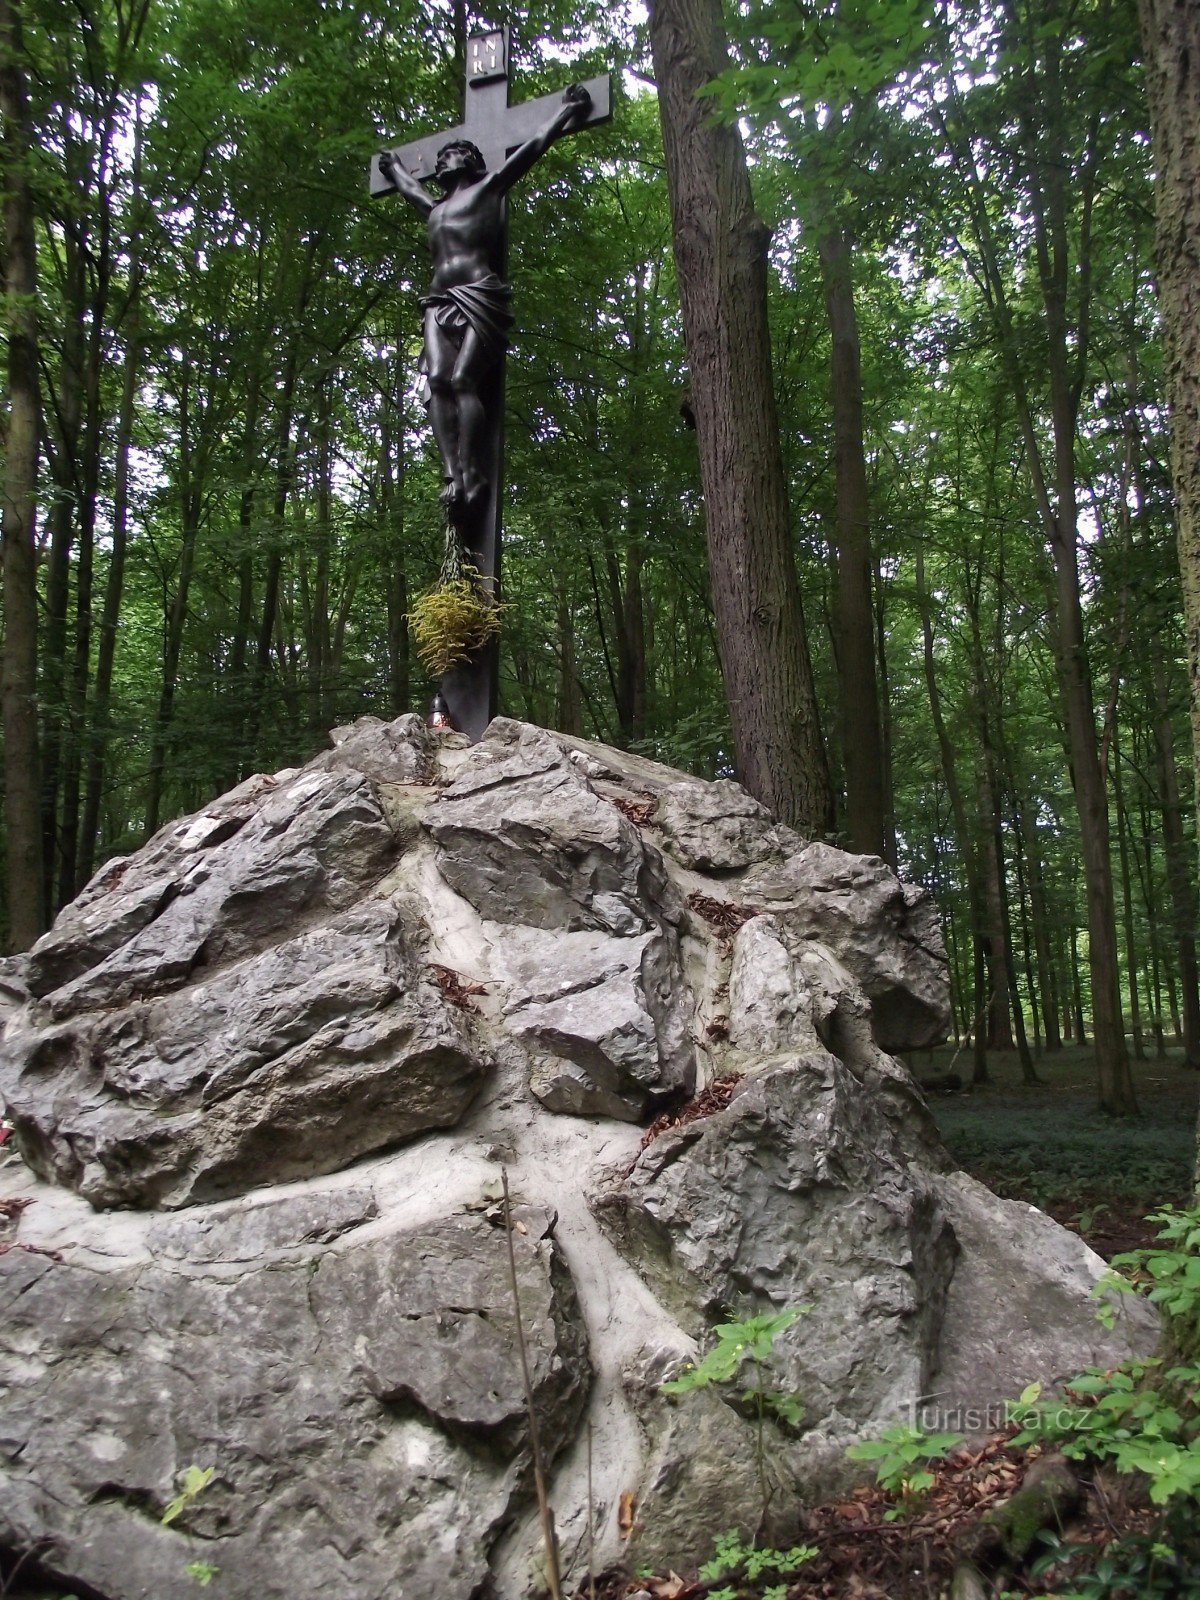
415 193
576 103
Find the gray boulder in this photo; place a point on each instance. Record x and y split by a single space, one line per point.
525 838
360 1402
718 827
214 886
862 1243
264 1074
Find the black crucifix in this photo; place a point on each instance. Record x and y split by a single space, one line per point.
467 312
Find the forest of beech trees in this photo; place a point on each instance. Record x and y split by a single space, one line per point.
930 536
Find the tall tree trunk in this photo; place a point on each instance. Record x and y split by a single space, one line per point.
284 475
395 574
1171 46
111 614
67 409
721 262
115 583
319 643
1112 1060
1150 901
625 604
862 740
190 502
983 995
991 854
891 848
568 715
1061 279
1131 957
92 446
1180 880
239 654
18 508
1080 1029
1023 902
1040 918
962 826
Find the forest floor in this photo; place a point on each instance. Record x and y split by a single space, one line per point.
1049 1144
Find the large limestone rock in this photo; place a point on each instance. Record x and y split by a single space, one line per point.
355 1384
266 1077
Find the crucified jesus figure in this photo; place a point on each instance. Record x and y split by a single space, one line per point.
468 308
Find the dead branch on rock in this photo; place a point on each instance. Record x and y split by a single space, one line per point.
30 1249
545 1515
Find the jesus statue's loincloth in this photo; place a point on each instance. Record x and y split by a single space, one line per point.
485 307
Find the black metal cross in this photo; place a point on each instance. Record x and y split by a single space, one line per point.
497 128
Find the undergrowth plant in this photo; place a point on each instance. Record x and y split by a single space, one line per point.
750 1341
902 1454
747 1564
1162 1564
195 1480
1141 1418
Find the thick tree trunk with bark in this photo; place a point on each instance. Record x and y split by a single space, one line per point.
22 817
862 741
721 262
1180 880
1171 46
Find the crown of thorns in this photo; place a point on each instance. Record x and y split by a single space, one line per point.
467 148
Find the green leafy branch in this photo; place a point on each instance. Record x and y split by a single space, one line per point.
902 1455
751 1340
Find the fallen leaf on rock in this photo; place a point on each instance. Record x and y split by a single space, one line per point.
457 989
627 1513
715 1098
722 915
639 812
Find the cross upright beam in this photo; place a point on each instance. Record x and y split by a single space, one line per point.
497 129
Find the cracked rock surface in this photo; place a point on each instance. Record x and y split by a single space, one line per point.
268 1075
358 1394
